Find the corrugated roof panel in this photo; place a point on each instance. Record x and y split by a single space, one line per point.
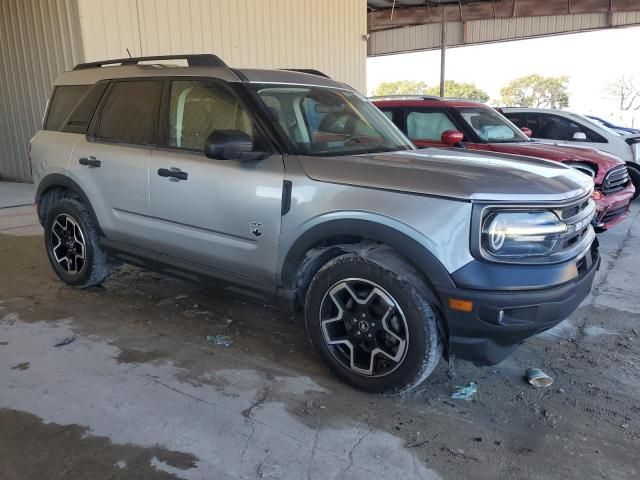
427 37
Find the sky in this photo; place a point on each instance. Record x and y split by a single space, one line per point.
590 60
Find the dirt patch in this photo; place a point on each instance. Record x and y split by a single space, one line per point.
33 449
21 366
139 356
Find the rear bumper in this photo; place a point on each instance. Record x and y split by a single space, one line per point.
501 320
612 209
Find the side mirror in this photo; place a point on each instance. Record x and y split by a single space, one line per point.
230 145
580 136
527 131
451 137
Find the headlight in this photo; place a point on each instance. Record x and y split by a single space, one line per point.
521 234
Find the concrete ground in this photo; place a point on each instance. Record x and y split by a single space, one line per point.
16 194
135 391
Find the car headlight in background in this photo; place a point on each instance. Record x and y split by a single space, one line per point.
521 234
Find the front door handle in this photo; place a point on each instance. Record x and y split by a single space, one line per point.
174 174
89 162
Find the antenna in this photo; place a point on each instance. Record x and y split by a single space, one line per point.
129 53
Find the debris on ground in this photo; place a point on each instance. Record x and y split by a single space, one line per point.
267 470
538 378
458 453
222 340
465 393
170 300
65 341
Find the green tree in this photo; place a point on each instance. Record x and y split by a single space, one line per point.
401 87
454 89
536 91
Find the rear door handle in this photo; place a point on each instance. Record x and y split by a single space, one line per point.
89 162
174 174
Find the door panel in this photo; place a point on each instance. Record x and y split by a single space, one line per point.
118 189
112 165
225 215
220 214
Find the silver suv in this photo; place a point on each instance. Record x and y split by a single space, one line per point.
290 186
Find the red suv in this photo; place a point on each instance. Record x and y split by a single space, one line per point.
438 122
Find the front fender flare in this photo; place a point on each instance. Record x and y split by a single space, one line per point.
426 263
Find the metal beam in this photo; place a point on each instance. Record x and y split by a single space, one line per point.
484 10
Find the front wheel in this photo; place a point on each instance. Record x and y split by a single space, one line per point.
371 325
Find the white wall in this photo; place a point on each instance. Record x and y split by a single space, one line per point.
328 35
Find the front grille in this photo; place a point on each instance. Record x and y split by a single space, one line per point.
578 218
615 180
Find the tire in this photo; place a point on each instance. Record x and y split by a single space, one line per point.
396 289
69 224
634 175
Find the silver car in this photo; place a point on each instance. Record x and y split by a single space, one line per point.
293 188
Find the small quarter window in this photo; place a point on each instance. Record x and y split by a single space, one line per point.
78 121
64 100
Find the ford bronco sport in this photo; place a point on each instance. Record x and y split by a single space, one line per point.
291 186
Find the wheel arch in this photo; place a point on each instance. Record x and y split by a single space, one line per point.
55 181
326 240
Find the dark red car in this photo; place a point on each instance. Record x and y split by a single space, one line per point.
437 122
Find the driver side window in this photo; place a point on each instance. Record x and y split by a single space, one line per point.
198 108
428 125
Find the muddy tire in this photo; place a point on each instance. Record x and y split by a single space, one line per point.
71 241
371 324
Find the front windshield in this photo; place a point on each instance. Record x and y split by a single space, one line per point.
324 121
490 126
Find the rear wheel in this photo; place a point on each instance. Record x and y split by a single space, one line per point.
71 241
371 326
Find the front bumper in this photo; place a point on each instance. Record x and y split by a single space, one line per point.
502 319
612 209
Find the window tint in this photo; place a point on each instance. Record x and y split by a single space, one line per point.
131 111
428 125
78 121
199 108
64 100
388 114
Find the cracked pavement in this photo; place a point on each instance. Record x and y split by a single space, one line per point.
140 393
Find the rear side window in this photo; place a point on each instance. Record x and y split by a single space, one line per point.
64 100
78 121
130 114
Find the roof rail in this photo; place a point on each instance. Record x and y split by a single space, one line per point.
406 97
310 71
194 60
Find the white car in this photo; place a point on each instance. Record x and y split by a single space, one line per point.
566 128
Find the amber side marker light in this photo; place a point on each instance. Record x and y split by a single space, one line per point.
462 305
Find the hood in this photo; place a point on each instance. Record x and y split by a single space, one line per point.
454 173
562 153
